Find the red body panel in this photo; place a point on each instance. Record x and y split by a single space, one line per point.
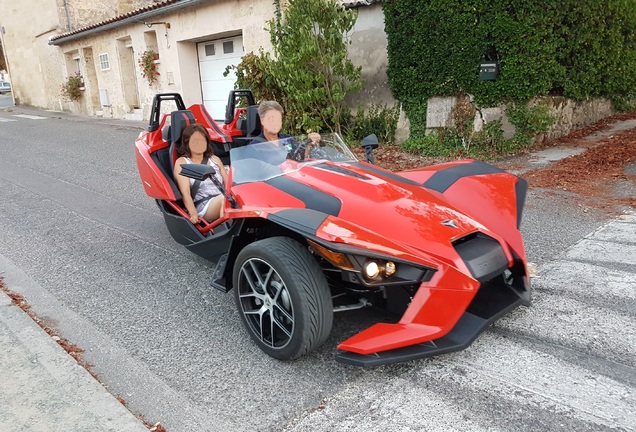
155 183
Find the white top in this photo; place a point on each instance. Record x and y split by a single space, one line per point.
207 188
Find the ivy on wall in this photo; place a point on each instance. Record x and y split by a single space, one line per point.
575 48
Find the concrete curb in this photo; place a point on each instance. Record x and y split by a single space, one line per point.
42 388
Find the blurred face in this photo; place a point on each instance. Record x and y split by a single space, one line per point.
198 143
272 122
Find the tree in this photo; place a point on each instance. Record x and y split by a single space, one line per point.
310 68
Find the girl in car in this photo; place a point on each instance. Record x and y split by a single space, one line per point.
201 199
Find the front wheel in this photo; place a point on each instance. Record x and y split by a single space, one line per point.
283 297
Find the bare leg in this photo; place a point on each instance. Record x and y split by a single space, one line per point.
215 208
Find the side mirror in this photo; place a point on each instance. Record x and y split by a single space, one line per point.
368 144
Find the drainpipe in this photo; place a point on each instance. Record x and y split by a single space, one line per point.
6 61
68 16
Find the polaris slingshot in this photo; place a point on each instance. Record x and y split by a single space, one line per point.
304 237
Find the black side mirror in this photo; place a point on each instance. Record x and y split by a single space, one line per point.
368 144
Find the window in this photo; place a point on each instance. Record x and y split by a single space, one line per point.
228 47
104 64
209 50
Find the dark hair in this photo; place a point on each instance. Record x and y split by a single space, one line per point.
184 148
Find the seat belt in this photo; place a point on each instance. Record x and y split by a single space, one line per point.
197 183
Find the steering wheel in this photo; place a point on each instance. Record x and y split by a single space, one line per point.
298 154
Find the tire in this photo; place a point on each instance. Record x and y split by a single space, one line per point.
277 277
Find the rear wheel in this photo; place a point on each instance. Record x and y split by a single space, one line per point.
283 297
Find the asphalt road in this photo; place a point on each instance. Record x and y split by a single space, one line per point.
91 254
6 100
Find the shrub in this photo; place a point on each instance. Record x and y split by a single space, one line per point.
378 119
254 72
72 87
310 73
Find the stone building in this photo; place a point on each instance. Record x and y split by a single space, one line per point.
47 41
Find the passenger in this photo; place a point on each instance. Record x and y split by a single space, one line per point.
207 202
271 114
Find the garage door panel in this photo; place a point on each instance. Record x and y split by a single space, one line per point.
214 70
212 64
217 89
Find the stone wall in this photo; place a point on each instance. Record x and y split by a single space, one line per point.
81 13
25 43
569 115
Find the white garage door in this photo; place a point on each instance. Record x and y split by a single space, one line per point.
214 57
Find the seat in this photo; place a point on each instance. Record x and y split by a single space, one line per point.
179 120
253 127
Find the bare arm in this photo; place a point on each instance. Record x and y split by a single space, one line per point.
315 141
184 187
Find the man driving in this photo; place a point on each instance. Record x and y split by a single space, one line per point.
271 115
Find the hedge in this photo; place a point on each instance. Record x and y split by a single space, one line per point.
574 48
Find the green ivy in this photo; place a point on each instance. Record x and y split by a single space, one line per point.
575 48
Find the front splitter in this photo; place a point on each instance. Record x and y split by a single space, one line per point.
467 329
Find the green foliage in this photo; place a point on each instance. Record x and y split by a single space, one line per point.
310 73
459 139
379 119
254 72
440 142
529 120
72 87
598 48
575 48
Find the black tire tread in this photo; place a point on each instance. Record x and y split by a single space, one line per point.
310 283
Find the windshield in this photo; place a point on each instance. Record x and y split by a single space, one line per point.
262 160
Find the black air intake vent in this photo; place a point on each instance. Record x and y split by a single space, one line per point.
482 255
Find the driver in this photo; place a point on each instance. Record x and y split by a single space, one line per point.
271 114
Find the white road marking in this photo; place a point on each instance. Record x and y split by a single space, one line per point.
585 279
572 323
619 232
30 117
515 372
602 251
4 120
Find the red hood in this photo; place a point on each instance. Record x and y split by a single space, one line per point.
401 211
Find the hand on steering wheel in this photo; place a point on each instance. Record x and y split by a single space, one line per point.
299 153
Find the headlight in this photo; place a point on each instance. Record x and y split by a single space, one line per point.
361 267
389 268
371 269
